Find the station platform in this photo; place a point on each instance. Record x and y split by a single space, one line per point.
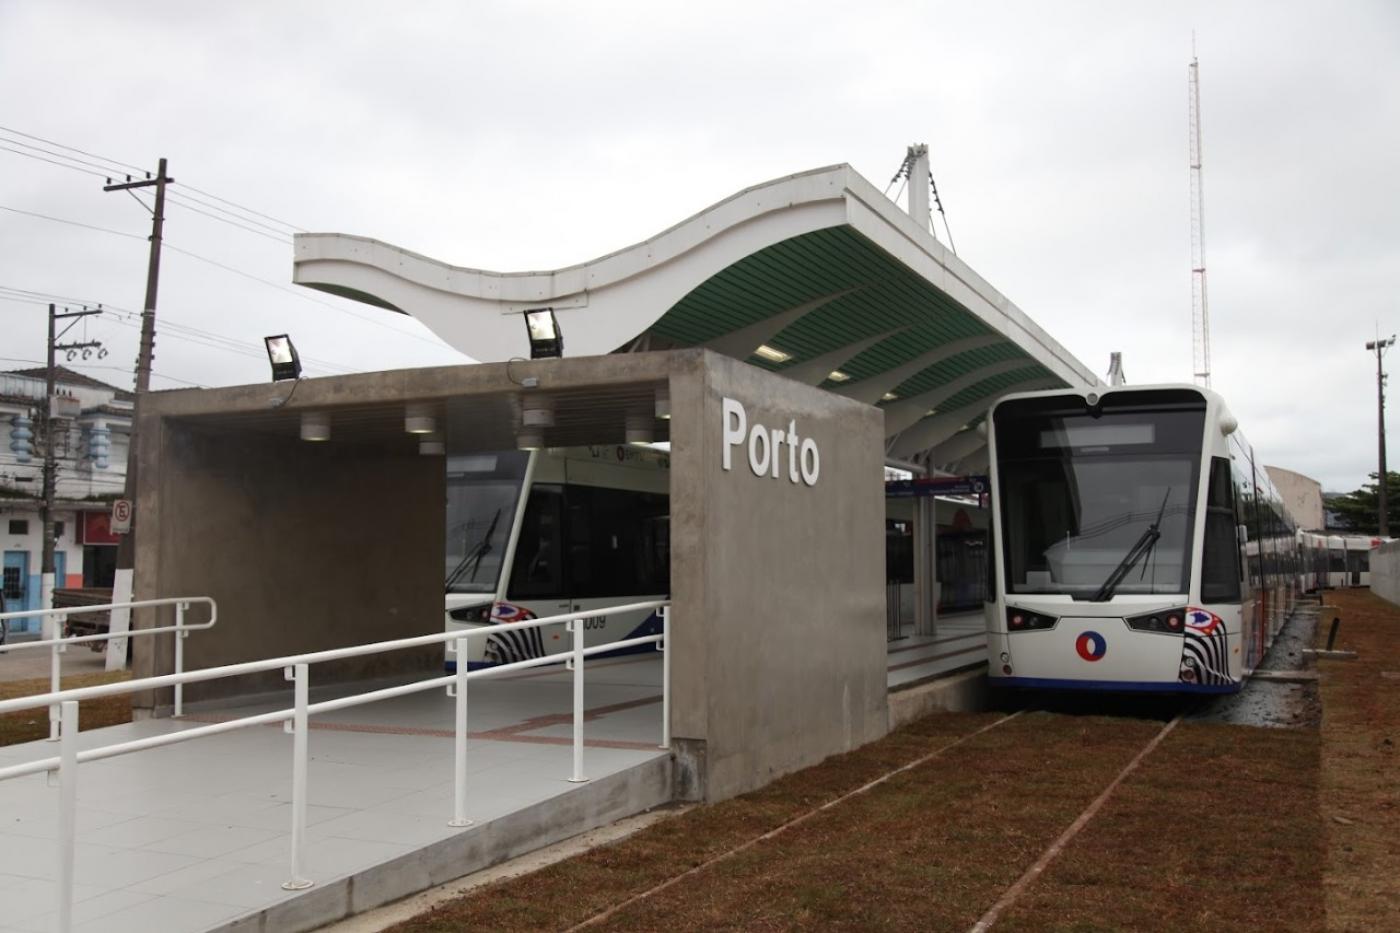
961 642
196 836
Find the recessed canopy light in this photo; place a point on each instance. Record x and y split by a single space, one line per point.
539 417
432 445
418 419
889 397
640 430
772 354
315 426
838 376
529 440
663 404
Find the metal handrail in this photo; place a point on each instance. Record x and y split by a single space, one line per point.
58 643
296 669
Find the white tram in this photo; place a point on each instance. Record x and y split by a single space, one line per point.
1138 545
546 532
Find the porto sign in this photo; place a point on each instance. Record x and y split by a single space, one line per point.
772 452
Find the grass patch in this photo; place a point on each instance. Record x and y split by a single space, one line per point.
929 849
1216 830
1360 775
30 725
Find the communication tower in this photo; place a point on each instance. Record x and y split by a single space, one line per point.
1200 314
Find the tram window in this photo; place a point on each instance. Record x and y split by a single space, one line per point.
619 542
538 571
1220 551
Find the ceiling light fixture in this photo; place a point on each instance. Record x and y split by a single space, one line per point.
315 426
640 430
418 419
838 376
772 354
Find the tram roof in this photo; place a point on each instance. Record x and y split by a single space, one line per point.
851 293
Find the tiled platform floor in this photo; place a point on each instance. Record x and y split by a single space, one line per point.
961 642
192 836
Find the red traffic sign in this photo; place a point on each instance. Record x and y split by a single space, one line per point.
121 517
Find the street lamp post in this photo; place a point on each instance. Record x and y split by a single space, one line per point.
1379 347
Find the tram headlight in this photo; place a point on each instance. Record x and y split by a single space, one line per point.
1166 621
478 614
1023 620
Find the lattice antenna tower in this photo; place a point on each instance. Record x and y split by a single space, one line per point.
1200 313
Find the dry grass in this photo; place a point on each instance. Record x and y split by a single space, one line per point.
928 850
1360 776
29 725
1216 830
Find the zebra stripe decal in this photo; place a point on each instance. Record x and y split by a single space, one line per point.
506 646
1205 651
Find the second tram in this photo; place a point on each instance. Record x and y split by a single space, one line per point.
1138 545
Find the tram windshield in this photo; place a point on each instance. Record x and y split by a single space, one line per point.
1098 502
482 492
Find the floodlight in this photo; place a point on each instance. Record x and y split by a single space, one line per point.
546 340
283 356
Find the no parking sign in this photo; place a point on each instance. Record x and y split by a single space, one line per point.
121 517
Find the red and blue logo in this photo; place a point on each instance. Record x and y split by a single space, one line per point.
1091 646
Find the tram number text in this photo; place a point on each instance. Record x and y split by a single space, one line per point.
598 623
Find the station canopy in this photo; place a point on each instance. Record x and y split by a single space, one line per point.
817 276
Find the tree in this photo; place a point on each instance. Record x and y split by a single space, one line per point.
1358 510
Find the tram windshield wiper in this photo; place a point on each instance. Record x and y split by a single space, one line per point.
1140 549
474 556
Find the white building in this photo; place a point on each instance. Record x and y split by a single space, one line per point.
92 425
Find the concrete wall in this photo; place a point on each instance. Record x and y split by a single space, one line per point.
779 619
1385 572
303 547
1303 496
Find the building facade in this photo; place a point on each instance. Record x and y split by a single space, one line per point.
92 425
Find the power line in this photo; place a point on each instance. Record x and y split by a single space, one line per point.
69 148
30 155
185 194
280 238
74 223
301 295
245 209
60 155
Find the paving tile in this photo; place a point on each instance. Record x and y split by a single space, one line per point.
93 910
212 841
162 915
138 831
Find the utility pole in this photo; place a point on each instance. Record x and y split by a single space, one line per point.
126 550
48 565
1200 309
1379 347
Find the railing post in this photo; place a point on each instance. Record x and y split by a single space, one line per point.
51 632
576 626
180 634
665 647
459 782
67 812
299 674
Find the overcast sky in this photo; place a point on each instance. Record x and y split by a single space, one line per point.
529 135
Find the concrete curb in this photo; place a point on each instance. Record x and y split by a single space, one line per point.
964 692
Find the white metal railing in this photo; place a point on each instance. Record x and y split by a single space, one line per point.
57 642
296 668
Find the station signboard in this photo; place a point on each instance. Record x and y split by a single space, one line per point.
936 486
